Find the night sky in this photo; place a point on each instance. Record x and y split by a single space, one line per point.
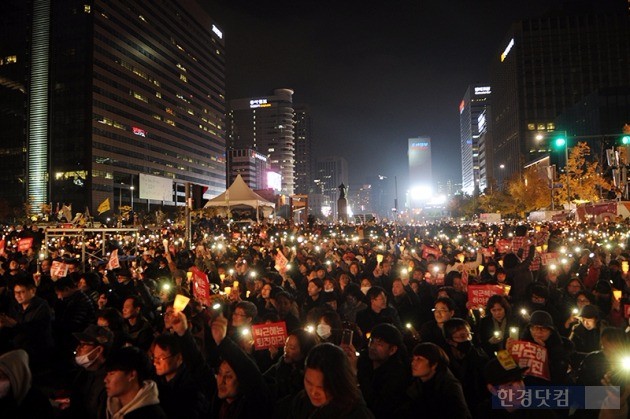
374 73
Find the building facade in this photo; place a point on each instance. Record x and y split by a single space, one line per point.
119 89
303 173
266 124
331 172
547 64
251 165
420 172
474 103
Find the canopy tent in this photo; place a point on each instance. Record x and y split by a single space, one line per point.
239 194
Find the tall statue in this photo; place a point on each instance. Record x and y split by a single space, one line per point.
342 204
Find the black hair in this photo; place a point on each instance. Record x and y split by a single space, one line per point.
339 380
433 353
168 342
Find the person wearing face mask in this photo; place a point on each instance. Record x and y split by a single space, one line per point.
467 361
329 327
18 398
88 396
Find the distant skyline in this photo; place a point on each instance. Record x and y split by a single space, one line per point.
374 76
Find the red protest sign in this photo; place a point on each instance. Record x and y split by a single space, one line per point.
550 258
528 354
113 262
478 295
428 250
201 286
25 244
58 269
269 335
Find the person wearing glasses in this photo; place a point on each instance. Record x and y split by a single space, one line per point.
433 330
180 395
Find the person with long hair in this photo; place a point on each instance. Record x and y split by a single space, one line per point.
330 387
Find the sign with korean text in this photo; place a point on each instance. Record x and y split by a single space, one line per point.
529 354
25 244
478 295
550 258
281 262
269 335
428 250
58 269
113 262
201 286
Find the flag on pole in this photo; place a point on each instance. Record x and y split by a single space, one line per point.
103 207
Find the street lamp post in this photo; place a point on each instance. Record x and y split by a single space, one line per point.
131 188
564 142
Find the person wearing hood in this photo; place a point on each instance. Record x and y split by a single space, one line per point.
18 398
585 335
130 394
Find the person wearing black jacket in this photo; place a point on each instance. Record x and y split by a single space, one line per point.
383 370
241 390
180 395
378 311
407 303
434 392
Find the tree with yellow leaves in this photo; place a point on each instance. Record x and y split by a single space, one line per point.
582 177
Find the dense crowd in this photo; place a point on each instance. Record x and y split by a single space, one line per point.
383 321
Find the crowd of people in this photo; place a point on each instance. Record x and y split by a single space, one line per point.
380 320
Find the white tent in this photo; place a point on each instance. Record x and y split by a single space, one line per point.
239 194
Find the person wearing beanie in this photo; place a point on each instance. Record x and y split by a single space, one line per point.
382 370
542 331
18 397
585 335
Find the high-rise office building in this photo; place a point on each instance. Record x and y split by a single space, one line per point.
487 177
265 124
251 165
303 173
547 64
420 172
330 173
475 101
115 90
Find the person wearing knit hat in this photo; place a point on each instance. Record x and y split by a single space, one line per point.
585 335
542 331
18 397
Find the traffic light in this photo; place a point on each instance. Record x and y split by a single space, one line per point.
625 140
560 142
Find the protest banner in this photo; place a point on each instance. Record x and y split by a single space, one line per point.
529 354
113 262
478 295
201 286
281 262
550 258
58 269
269 335
25 244
428 250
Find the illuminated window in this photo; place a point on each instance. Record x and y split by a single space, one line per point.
140 97
551 126
158 94
531 127
87 8
142 18
11 59
541 127
181 67
183 78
